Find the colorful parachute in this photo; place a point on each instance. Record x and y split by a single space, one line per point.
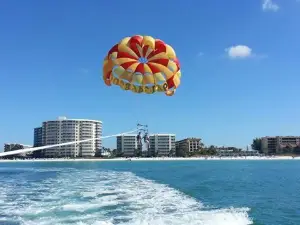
142 64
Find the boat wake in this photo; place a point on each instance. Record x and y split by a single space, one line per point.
73 196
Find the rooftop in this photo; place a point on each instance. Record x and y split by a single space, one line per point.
127 135
190 138
130 135
18 144
65 118
281 137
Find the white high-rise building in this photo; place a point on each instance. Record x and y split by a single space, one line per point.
127 144
162 144
67 130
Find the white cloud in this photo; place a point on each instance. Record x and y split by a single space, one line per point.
269 5
239 51
243 52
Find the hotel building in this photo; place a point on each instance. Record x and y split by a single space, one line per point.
189 144
160 145
276 144
68 130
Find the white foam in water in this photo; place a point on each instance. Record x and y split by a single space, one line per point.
107 198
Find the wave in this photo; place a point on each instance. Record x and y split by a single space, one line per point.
89 197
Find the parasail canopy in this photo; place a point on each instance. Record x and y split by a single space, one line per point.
142 64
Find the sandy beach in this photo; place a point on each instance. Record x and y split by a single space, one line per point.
154 159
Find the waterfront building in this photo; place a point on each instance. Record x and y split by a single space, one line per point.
162 145
68 130
38 137
234 152
127 144
16 146
189 144
37 141
279 144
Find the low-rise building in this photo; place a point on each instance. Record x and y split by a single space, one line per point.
279 144
16 146
189 144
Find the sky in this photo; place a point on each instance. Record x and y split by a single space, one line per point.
239 61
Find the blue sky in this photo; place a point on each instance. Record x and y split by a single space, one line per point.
239 59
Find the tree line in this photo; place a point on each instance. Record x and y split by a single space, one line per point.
203 151
181 152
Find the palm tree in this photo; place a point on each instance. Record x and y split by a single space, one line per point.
201 146
172 152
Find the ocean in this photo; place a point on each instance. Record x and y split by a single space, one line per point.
141 192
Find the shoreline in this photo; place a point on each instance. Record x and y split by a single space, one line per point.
154 159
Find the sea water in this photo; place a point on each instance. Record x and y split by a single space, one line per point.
159 192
